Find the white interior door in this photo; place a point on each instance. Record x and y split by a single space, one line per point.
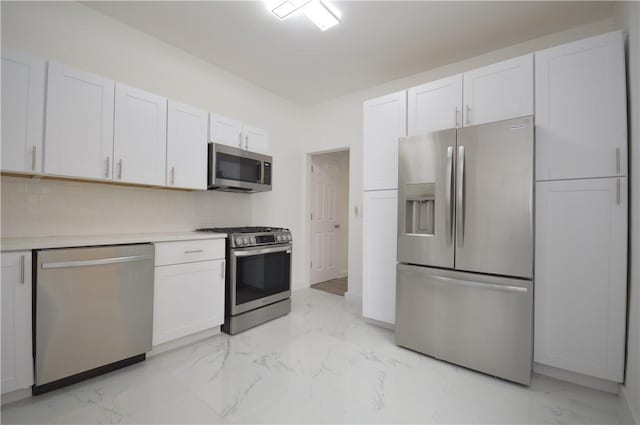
324 225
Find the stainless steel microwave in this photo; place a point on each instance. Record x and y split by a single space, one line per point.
236 170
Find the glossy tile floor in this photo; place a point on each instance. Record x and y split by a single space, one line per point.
321 363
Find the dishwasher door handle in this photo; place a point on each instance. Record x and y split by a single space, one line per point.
99 262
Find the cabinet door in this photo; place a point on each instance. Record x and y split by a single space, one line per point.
17 358
255 139
581 276
225 130
384 122
581 109
186 147
140 136
79 124
380 215
188 298
499 91
435 106
22 111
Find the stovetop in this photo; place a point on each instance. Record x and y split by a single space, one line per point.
244 229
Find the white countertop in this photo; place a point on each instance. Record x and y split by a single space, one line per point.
27 243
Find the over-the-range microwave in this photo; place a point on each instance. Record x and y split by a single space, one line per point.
236 170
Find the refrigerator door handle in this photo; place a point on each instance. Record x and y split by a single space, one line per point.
460 197
483 285
448 196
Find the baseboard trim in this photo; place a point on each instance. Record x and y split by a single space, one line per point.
380 324
16 395
629 416
577 378
184 341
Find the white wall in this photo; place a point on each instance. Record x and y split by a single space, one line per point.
627 16
82 37
338 124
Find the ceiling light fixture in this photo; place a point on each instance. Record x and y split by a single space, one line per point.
316 11
320 14
287 7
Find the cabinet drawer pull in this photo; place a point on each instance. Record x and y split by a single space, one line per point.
194 251
173 175
457 117
468 114
617 160
106 174
120 169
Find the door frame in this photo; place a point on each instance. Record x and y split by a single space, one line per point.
309 197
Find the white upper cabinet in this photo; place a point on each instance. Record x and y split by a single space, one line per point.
435 106
581 276
226 131
384 122
186 147
581 110
499 91
79 124
255 139
23 78
17 355
140 136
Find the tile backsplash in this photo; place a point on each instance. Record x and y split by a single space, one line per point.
41 207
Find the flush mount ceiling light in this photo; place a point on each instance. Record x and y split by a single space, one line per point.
316 11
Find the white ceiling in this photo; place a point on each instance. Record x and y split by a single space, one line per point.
376 41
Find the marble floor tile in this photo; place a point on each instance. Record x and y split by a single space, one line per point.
320 364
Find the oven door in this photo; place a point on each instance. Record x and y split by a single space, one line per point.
259 276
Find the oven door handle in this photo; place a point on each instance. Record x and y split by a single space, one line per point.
251 252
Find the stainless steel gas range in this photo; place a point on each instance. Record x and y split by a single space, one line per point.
258 283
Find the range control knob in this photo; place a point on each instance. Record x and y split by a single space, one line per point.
252 240
245 240
238 241
278 238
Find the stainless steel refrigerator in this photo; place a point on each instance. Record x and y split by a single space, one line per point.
465 247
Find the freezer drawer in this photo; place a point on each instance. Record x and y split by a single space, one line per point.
94 307
480 322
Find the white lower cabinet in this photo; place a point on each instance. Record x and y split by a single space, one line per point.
380 229
581 276
188 296
17 359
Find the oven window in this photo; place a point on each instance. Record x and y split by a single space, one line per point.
259 276
232 167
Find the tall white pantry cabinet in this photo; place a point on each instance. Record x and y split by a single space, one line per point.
582 205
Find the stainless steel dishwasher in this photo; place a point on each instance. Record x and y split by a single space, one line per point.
93 311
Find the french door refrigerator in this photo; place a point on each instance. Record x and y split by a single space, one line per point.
465 247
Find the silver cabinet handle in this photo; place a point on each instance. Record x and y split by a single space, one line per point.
457 117
240 140
460 197
618 191
483 285
246 141
468 114
33 157
106 174
193 251
173 175
100 262
448 200
120 169
617 160
222 270
22 265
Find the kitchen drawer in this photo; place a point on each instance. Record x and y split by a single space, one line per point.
189 251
